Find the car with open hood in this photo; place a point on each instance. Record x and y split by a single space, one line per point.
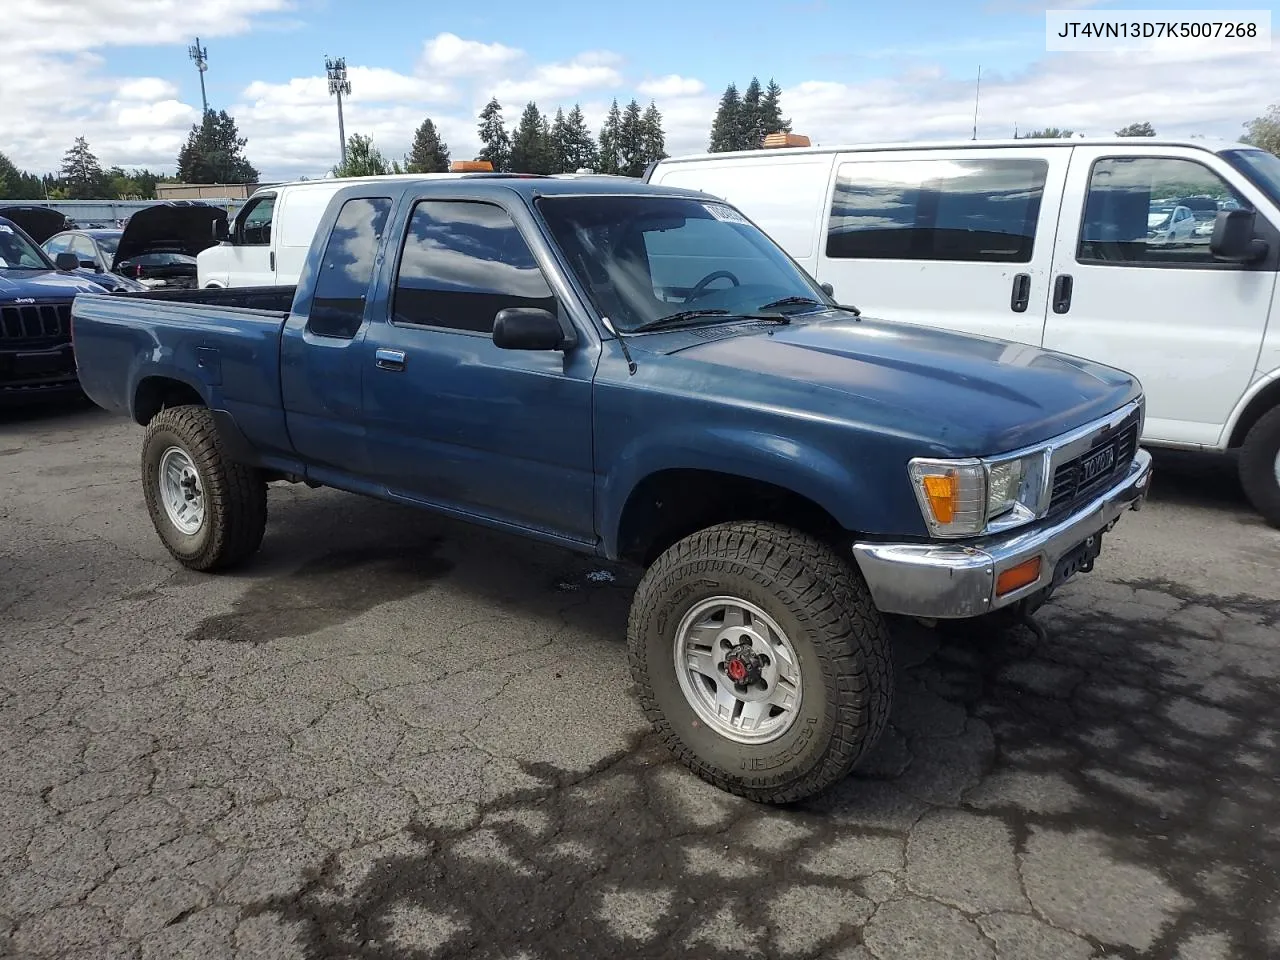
156 248
40 223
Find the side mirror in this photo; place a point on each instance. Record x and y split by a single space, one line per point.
828 289
67 261
221 230
1233 240
527 328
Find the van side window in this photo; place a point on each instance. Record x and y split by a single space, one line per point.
337 307
1153 211
462 263
956 210
254 229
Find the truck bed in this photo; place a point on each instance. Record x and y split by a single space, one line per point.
223 343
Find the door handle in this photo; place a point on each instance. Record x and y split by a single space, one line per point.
271 260
1021 293
1062 293
385 359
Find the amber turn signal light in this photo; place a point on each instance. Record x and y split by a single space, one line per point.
1028 571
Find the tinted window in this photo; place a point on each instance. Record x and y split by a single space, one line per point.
18 252
971 210
462 263
57 245
255 226
1138 212
337 307
83 248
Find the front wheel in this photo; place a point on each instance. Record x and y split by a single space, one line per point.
1260 466
761 660
210 511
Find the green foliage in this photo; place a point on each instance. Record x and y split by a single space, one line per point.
364 160
81 172
531 148
214 152
1143 129
17 184
726 127
428 154
1048 133
742 122
611 141
493 135
578 147
1264 131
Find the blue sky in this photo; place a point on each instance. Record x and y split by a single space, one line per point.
117 71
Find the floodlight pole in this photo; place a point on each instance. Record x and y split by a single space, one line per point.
335 69
200 55
977 92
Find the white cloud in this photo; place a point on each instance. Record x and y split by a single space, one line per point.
672 85
291 123
449 54
147 88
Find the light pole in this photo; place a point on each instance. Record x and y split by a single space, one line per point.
201 57
335 69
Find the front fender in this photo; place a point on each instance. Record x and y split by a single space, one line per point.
863 495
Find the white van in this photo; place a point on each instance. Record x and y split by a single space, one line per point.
268 241
1156 256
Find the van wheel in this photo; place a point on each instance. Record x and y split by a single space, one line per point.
761 660
210 511
1260 466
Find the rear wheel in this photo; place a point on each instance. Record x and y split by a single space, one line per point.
1260 466
761 660
210 511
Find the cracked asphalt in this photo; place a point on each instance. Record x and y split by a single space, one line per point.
397 737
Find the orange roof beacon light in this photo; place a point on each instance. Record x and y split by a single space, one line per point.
781 139
471 166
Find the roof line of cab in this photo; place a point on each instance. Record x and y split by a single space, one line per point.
529 186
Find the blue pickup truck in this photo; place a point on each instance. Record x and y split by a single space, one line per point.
639 373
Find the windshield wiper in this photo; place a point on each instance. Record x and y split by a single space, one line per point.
785 301
686 316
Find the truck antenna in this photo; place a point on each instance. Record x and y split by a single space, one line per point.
622 342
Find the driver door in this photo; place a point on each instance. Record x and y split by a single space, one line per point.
250 256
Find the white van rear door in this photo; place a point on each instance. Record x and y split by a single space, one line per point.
783 194
300 211
1136 295
957 238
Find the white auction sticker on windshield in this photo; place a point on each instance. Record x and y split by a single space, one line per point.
5 228
726 214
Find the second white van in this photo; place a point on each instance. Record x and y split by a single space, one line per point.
1156 256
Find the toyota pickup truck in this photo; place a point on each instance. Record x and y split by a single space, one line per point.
639 373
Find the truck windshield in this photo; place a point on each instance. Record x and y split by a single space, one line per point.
19 253
1262 169
645 258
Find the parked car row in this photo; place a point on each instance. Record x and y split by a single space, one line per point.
45 263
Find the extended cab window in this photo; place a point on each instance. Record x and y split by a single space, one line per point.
966 210
1153 211
255 226
463 262
337 308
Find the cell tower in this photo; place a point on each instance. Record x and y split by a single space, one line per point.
335 69
200 55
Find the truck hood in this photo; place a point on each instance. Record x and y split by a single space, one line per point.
42 285
39 223
962 394
172 227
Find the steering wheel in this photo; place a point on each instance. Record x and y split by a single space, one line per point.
700 287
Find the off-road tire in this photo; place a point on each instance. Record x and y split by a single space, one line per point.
821 603
235 495
1257 466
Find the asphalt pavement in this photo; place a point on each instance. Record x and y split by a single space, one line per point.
397 737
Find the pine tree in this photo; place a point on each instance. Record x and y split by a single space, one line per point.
81 172
771 111
214 152
493 134
559 143
751 129
429 154
17 184
727 122
610 141
631 161
546 148
579 146
528 146
655 141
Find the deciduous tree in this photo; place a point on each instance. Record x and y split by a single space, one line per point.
1264 131
364 159
1143 129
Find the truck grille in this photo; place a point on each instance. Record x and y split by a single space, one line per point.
1095 469
35 321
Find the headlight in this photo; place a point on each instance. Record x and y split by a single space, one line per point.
964 498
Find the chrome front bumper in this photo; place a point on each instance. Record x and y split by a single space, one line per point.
953 581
